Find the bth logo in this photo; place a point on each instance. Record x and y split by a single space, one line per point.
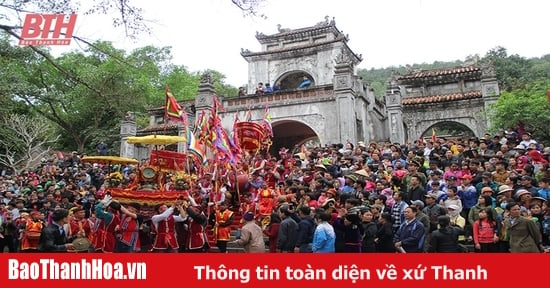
47 29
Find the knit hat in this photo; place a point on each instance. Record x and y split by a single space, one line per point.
419 204
351 177
248 216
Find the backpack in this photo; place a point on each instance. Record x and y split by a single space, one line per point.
33 230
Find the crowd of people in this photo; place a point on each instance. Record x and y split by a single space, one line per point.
267 88
431 195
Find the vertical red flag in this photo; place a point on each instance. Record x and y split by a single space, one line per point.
172 109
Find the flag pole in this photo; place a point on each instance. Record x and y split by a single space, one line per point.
165 117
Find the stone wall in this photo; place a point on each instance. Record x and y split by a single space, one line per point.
419 118
314 107
319 64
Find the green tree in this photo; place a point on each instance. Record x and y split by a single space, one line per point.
540 69
79 85
13 63
220 87
183 84
528 105
87 107
512 71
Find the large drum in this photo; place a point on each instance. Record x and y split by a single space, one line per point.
249 135
241 181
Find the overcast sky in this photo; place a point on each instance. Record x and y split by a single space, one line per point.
209 34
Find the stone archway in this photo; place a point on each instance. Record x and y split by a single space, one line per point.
291 134
291 79
450 129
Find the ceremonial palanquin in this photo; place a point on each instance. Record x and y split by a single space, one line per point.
146 184
168 175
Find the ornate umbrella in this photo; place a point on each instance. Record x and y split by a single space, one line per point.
156 139
109 160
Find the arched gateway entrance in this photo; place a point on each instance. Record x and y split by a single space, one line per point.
449 129
291 135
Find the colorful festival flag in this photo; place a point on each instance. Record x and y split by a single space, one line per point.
172 109
248 116
266 122
195 147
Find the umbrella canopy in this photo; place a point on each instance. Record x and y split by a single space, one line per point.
109 160
156 139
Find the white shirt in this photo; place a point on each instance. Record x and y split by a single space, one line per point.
155 219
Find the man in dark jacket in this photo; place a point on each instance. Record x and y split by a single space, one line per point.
53 238
410 235
370 230
306 228
288 230
445 239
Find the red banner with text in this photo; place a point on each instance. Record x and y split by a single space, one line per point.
259 270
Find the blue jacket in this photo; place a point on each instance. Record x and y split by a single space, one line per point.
411 236
324 238
469 196
544 193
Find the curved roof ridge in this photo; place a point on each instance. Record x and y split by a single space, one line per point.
441 72
443 97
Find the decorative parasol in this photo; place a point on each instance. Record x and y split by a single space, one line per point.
156 139
109 160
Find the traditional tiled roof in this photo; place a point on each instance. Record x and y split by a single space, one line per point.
424 74
322 27
247 53
442 98
158 127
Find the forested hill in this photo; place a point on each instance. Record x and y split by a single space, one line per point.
513 71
